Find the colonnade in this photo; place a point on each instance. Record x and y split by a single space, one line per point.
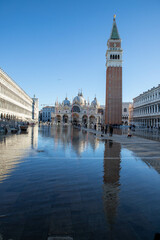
148 122
14 102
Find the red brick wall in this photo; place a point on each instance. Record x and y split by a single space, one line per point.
111 44
113 111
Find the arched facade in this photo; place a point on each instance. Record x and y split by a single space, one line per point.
15 102
79 112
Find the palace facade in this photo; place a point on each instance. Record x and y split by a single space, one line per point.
146 108
125 112
78 112
14 102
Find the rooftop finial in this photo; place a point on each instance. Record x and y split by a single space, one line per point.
114 17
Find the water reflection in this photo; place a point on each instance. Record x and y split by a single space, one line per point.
48 195
69 137
111 179
13 148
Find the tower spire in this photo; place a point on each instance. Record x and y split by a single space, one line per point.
114 32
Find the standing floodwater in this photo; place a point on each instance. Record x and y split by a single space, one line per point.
60 181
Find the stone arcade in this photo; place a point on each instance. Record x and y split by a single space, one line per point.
15 104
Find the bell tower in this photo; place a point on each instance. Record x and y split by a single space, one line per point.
113 105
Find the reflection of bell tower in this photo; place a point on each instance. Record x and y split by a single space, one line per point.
113 107
111 177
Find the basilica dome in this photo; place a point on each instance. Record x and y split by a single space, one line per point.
79 99
95 103
66 102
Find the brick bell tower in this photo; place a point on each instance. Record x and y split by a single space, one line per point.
113 106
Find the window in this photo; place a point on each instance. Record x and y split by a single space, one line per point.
118 56
75 109
125 110
115 56
110 56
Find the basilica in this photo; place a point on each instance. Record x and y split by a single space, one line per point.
78 112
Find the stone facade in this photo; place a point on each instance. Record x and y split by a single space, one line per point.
146 108
35 108
14 102
78 112
125 113
130 118
47 112
113 107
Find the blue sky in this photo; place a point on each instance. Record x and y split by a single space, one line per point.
55 47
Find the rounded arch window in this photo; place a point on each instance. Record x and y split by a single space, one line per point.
75 109
125 110
118 57
110 56
115 56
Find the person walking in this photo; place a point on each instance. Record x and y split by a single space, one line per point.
111 130
106 127
102 130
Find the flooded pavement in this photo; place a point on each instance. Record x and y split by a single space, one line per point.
60 181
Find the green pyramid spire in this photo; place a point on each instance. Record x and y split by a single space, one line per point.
114 33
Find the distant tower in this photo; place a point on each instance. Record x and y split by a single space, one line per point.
113 107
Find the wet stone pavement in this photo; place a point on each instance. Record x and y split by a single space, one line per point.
62 182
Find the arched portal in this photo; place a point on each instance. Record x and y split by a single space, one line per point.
58 118
65 118
92 120
84 119
75 118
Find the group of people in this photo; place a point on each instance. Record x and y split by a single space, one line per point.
106 128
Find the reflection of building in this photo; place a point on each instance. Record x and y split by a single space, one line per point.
14 102
146 108
113 111
111 179
79 112
125 112
69 136
14 148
